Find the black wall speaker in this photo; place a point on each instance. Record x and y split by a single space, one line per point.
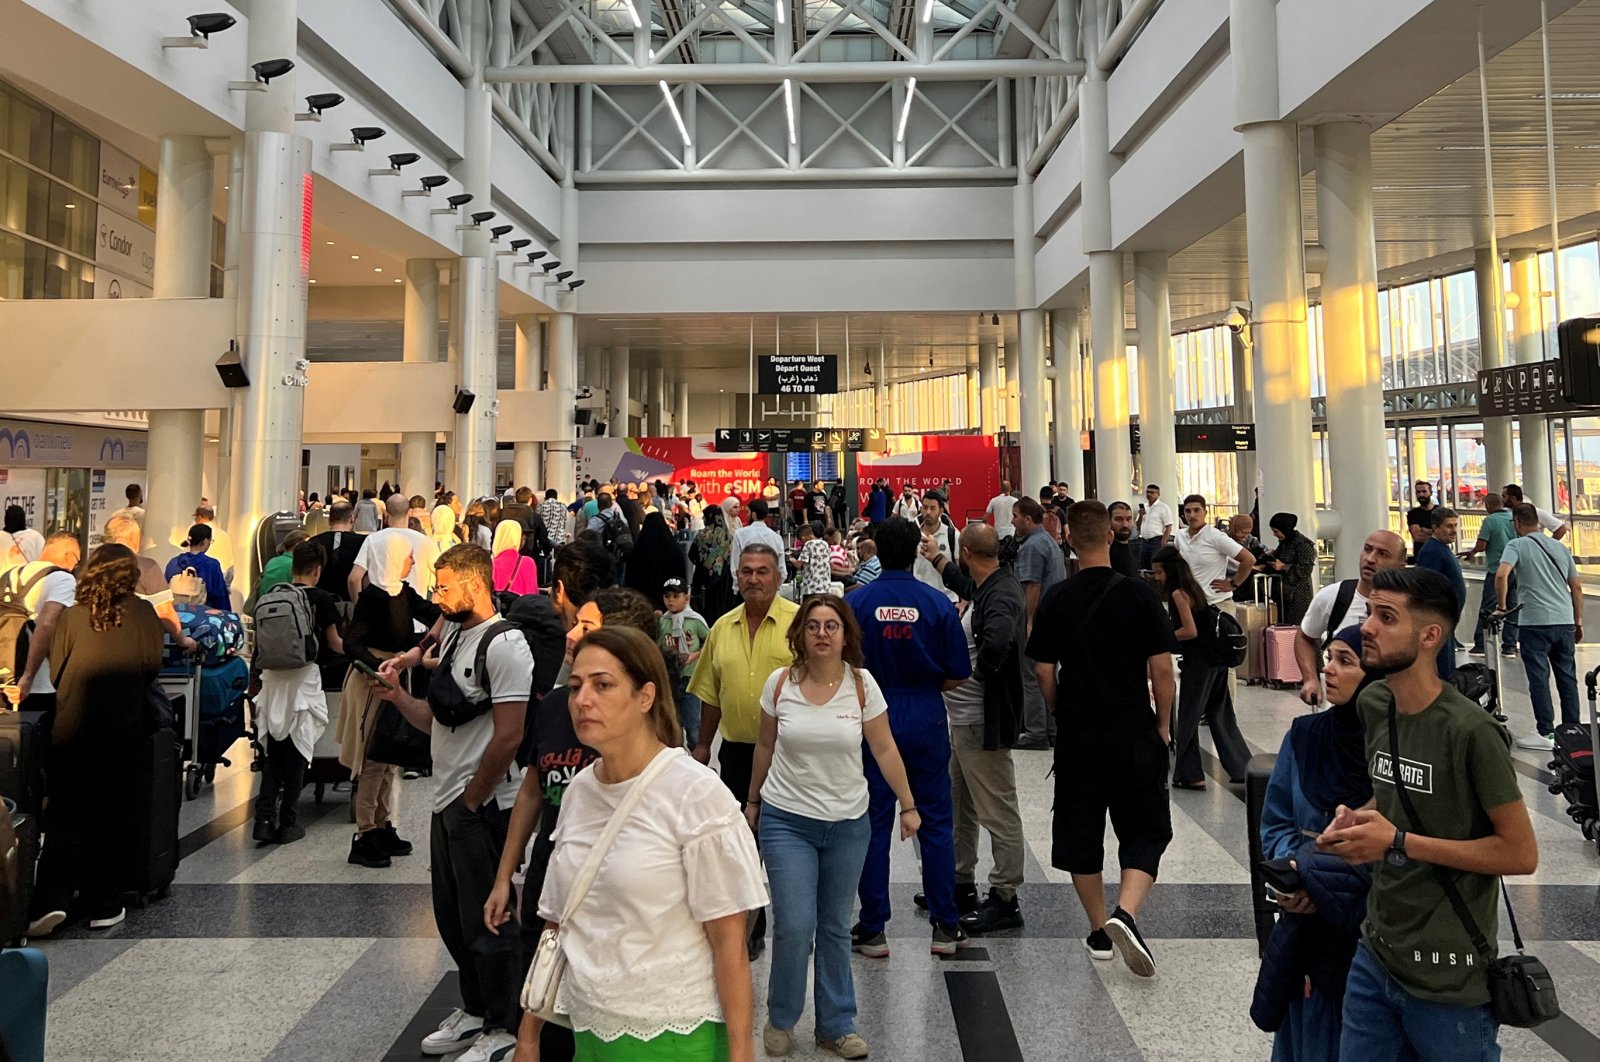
464 400
580 417
1579 343
231 368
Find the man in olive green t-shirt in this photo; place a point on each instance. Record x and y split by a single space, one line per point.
1418 985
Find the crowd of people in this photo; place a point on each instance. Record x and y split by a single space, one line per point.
649 718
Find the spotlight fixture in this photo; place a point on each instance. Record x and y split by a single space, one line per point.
428 183
551 266
576 284
994 319
534 256
866 369
518 245
265 71
201 27
316 104
563 275
359 138
478 218
499 231
457 201
403 158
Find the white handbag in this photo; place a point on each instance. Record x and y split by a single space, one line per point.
543 985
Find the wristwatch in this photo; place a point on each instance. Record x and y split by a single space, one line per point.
1397 849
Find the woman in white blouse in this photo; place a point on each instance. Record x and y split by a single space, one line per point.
809 795
656 955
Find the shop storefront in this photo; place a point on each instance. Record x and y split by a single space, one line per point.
68 477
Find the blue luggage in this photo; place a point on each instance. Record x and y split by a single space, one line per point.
222 693
25 973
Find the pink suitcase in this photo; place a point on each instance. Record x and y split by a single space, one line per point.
1282 672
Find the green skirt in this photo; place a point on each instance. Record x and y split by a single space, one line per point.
709 1043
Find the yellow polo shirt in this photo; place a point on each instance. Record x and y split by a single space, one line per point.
734 668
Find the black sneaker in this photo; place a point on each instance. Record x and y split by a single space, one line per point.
872 945
1100 947
1030 743
966 899
947 940
993 915
266 829
291 833
364 851
1124 933
389 841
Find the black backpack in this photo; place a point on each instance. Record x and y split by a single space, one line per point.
1341 605
616 536
1223 640
16 621
1010 547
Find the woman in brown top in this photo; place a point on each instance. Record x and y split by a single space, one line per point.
105 654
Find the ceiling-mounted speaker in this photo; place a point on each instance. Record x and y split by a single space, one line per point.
463 401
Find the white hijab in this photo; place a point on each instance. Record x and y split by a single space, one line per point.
388 552
30 542
444 527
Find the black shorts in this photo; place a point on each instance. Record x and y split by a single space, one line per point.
1124 776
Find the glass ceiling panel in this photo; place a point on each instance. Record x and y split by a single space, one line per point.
616 17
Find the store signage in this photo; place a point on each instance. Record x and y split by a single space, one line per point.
1515 390
107 285
127 187
126 247
797 374
1215 438
790 440
33 444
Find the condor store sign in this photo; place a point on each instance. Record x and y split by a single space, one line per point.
31 444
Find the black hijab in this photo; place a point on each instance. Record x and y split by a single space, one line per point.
1330 748
656 558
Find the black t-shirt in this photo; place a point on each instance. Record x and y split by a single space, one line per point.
325 607
553 749
340 549
385 623
1125 558
817 505
1102 689
1419 516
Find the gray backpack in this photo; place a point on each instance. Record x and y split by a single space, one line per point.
286 629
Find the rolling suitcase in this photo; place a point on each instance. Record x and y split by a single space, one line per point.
1255 617
325 769
19 861
1265 910
1573 766
152 818
23 740
1282 671
25 973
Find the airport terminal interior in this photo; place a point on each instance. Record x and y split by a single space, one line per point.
1339 261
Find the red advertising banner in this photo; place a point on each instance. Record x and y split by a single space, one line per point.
970 462
673 459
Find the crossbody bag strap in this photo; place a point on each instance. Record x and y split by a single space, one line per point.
1446 882
1094 606
591 866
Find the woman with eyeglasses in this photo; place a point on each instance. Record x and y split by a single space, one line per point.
809 797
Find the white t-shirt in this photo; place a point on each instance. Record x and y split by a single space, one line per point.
457 752
816 764
638 961
1208 554
1000 507
423 554
1157 518
59 587
1315 623
964 704
1549 521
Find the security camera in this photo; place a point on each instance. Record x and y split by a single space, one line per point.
1238 318
460 199
481 216
268 69
499 231
517 245
318 102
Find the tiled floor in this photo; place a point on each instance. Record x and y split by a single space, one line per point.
292 954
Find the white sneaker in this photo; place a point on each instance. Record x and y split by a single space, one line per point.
460 1030
1536 742
107 919
46 924
496 1046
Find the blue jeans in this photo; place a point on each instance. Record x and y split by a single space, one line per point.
1544 648
688 712
814 867
921 730
1383 1022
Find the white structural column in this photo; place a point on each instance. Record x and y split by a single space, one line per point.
1357 454
420 342
228 422
1527 316
991 387
620 386
1152 310
1030 341
473 470
561 356
658 400
527 468
1501 458
183 271
974 417
680 416
1276 250
1068 398
273 234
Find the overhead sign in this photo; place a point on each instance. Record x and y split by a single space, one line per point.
1215 438
1514 390
34 444
127 187
126 247
797 374
791 440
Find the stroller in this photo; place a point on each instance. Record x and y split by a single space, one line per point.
1573 766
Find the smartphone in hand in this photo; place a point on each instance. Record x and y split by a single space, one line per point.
371 673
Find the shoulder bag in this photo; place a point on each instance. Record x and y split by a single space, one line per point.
549 966
1522 993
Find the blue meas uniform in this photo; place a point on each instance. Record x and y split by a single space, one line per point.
912 641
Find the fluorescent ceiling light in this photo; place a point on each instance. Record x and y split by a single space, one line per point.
777 9
905 111
672 106
1569 95
927 11
788 108
633 13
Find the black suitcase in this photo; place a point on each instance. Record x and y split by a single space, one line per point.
152 822
1257 775
17 869
24 737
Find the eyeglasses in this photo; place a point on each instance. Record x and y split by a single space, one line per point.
823 626
440 588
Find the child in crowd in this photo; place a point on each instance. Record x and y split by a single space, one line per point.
292 711
683 634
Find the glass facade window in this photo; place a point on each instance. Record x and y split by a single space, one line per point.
74 156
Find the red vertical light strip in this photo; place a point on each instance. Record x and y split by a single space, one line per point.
305 226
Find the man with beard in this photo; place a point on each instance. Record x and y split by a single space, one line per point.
1124 552
1341 605
1447 819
